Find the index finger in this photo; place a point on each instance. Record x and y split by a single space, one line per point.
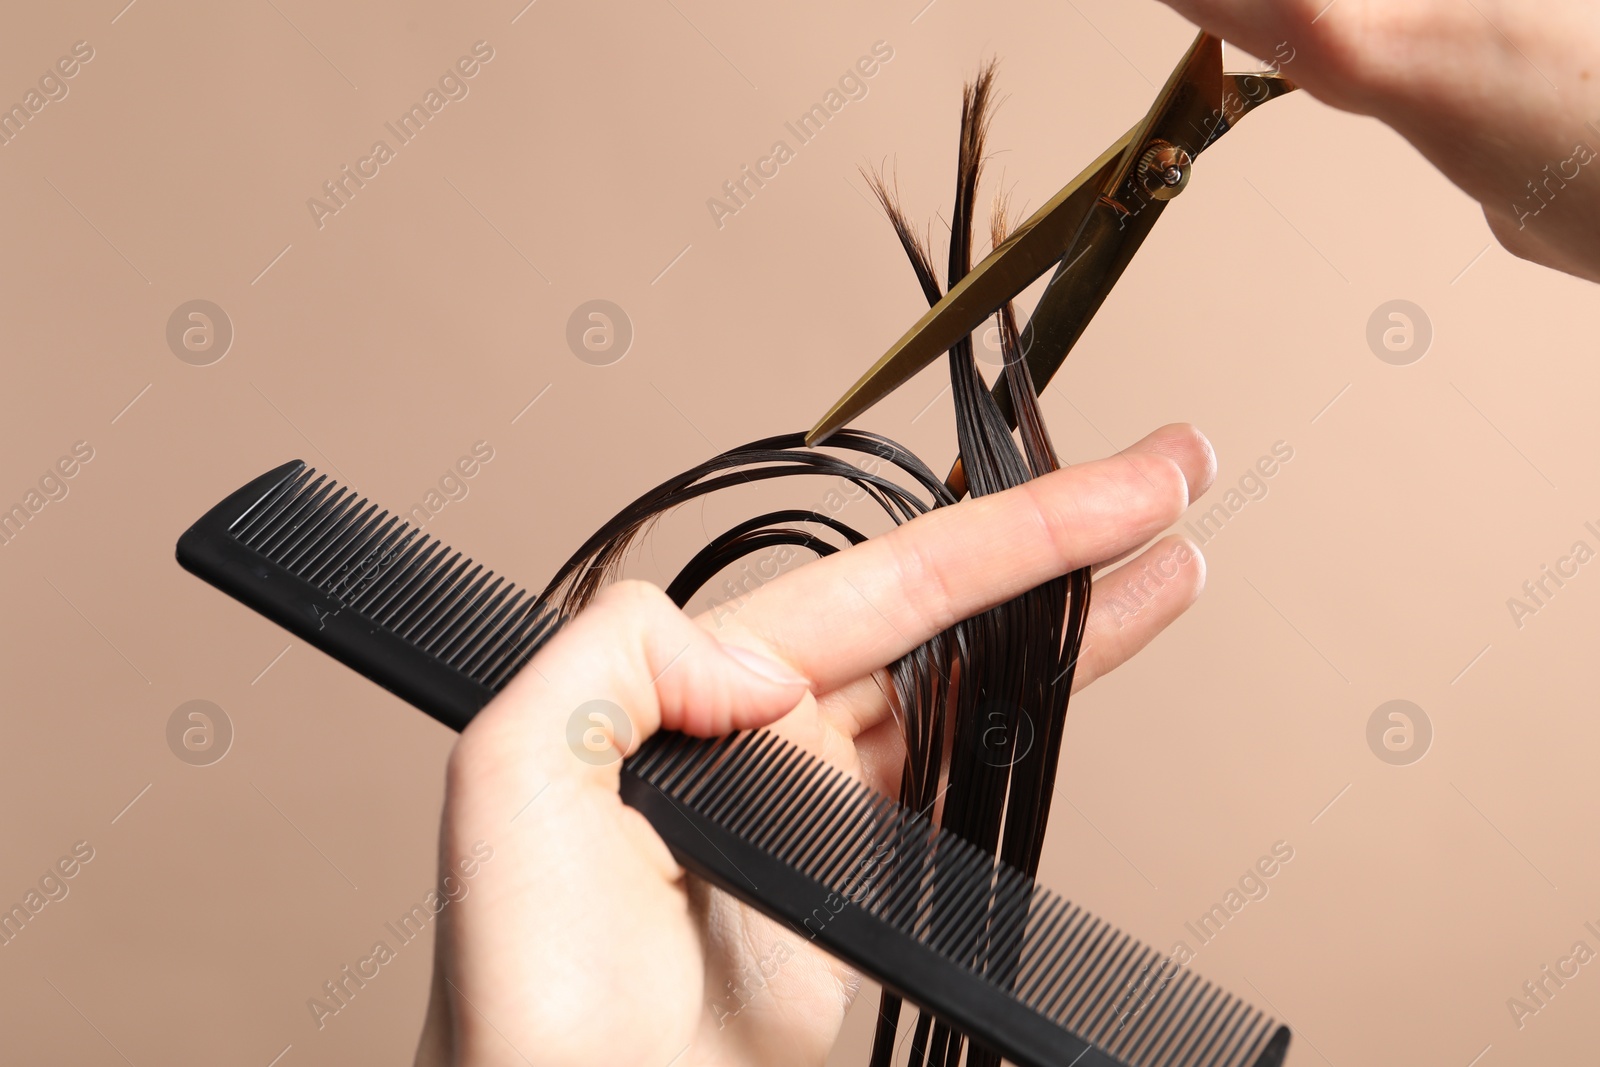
857 610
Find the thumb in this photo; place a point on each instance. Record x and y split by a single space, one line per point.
628 665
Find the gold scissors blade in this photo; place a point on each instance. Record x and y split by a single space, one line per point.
1102 213
1034 248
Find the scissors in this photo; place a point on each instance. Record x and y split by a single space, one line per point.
1089 231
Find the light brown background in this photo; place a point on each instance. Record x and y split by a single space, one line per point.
427 314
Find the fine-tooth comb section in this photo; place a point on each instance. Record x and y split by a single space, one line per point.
415 616
932 917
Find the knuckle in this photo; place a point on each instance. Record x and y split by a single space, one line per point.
1365 49
1056 529
464 765
920 567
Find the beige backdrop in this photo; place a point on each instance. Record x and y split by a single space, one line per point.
425 315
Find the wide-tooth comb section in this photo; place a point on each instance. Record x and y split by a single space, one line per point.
332 550
435 598
368 588
953 930
261 514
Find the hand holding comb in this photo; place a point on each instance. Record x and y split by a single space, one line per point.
928 915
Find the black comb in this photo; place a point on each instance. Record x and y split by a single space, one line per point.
931 917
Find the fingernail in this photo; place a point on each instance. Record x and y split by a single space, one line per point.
769 669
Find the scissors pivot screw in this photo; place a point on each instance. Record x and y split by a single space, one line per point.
1164 170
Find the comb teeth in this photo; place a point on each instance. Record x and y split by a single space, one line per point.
1123 1002
413 585
404 609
